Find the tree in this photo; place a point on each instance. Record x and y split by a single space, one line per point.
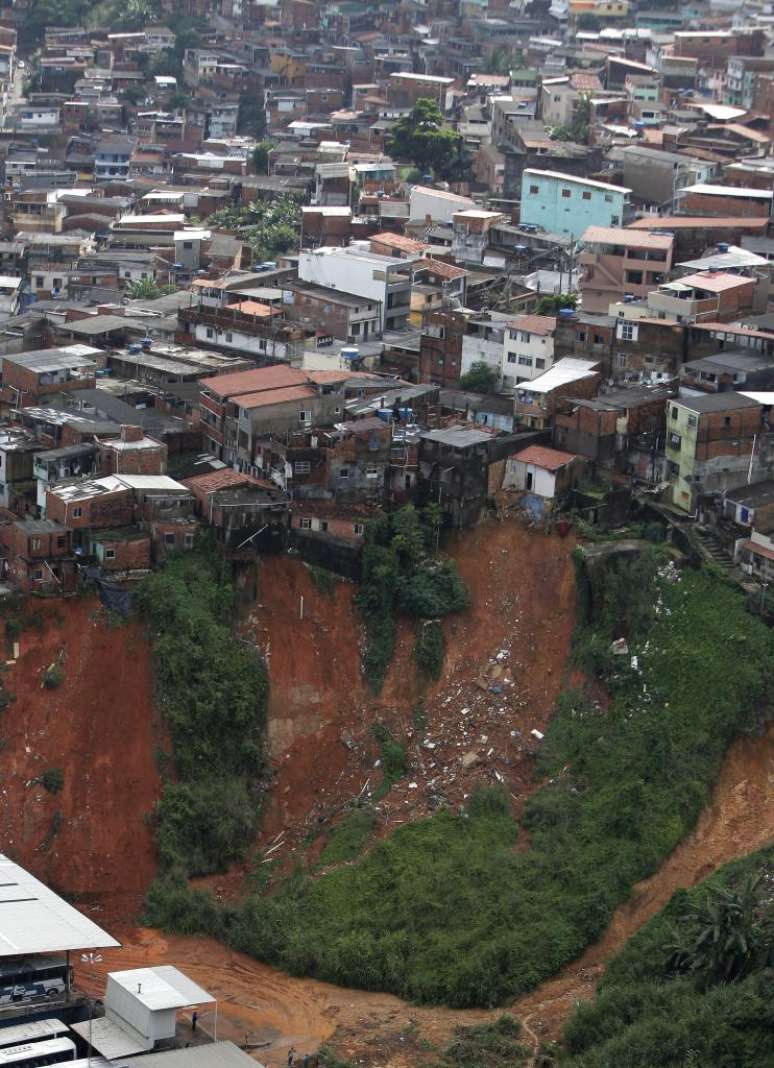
502 60
577 129
132 15
147 289
422 138
481 378
178 100
552 305
261 156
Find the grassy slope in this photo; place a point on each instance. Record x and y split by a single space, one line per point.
642 1018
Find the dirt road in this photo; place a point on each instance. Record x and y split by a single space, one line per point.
379 1030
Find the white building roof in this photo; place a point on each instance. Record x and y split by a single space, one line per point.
110 1038
566 370
33 919
8 281
572 178
726 191
719 261
162 987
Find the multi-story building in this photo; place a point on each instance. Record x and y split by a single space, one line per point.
565 204
708 296
383 280
709 444
535 402
528 348
618 263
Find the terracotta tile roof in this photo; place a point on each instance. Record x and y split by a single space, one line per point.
543 325
253 381
268 397
400 241
442 269
699 222
541 456
759 550
254 307
226 478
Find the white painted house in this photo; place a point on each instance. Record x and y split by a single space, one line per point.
528 348
547 473
357 270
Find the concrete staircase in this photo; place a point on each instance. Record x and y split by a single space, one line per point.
713 550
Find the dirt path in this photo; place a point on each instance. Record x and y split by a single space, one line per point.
739 820
380 1030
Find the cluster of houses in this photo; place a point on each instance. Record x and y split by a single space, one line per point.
597 263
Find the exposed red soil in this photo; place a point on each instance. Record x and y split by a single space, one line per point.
503 671
98 726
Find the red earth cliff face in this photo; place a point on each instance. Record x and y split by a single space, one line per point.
91 841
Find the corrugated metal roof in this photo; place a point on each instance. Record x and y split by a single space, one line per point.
33 919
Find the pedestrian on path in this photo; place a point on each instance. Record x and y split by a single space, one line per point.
194 1020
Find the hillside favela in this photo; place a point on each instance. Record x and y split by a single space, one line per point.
387 533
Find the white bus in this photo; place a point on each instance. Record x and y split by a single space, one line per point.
37 1054
33 978
32 1031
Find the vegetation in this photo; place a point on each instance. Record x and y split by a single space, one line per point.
492 1045
261 156
148 289
430 648
349 838
552 305
503 59
577 129
693 986
53 676
422 138
393 760
212 693
481 378
445 910
400 575
52 780
269 228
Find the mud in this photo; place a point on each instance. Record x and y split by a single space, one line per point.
90 840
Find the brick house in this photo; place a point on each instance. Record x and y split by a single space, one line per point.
440 352
37 555
133 453
29 376
121 550
536 401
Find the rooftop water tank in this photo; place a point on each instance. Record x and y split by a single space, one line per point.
567 313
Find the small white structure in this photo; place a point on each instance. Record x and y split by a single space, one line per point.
545 472
141 1009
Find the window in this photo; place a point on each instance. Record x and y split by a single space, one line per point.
511 357
674 412
189 540
60 543
355 330
77 513
615 220
692 420
372 472
599 339
358 528
188 244
319 524
34 543
533 189
608 198
110 554
39 280
524 337
169 539
305 524
566 192
525 361
343 472
586 194
38 574
304 417
540 363
302 467
580 335
635 277
628 331
229 336
210 332
57 283
726 420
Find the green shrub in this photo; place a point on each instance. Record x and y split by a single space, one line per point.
212 692
13 629
647 1015
399 575
492 1045
430 648
205 824
53 676
349 838
52 780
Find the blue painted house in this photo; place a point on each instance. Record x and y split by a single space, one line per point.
564 204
